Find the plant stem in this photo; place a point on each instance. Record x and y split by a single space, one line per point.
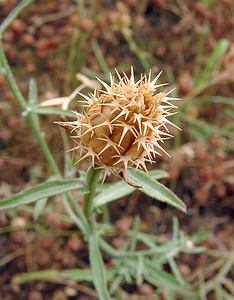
13 15
87 226
39 136
92 179
70 205
95 257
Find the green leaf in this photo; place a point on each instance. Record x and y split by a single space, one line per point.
155 189
153 273
53 111
13 15
54 275
39 207
227 267
163 278
98 270
121 189
77 274
100 58
32 97
200 236
40 191
83 274
45 275
115 191
213 62
2 70
32 100
158 174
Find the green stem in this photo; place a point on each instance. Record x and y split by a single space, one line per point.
95 257
92 179
30 117
39 136
13 15
88 226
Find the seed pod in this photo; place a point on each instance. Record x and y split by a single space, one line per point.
122 125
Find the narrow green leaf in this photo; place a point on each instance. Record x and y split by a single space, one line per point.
83 274
158 174
53 111
2 70
116 283
32 100
200 236
175 270
135 231
40 191
213 62
77 274
39 207
226 267
163 278
32 95
13 15
99 56
121 189
140 270
117 190
98 270
155 275
175 229
155 189
54 275
69 168
47 275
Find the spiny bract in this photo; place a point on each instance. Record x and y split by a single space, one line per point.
122 125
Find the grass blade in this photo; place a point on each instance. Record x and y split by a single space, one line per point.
99 56
213 62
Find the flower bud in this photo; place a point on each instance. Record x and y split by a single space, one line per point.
122 125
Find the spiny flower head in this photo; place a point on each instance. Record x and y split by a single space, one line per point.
123 125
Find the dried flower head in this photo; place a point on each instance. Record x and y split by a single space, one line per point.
122 125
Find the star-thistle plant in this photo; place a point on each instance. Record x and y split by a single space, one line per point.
123 125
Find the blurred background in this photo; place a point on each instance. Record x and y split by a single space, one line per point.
55 42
